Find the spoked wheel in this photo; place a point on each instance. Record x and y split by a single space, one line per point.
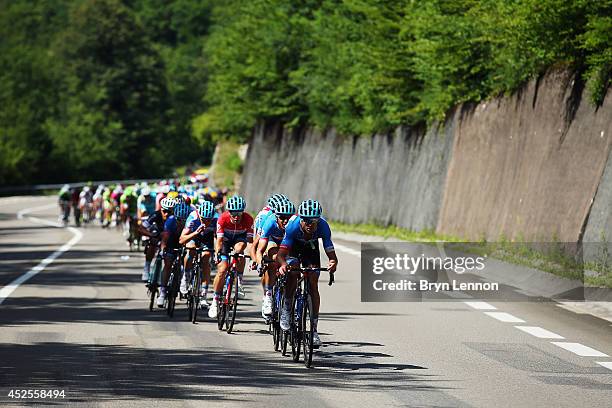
196 294
190 305
296 331
153 294
308 330
285 338
222 309
232 307
276 330
173 289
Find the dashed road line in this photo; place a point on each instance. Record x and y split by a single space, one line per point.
504 317
607 364
348 250
479 305
579 349
539 332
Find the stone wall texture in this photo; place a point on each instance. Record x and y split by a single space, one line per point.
535 165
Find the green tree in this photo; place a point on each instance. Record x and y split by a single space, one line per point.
113 98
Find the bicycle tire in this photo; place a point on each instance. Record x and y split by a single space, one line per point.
296 330
232 308
307 330
169 296
153 292
175 290
196 293
276 330
222 309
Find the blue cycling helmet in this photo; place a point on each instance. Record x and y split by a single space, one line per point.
236 203
206 209
310 209
181 211
285 208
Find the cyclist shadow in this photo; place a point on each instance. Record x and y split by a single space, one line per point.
341 356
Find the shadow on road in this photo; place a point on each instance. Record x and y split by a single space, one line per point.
103 372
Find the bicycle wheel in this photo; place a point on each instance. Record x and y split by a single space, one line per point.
308 329
276 330
153 293
296 327
190 299
232 307
223 302
196 293
170 299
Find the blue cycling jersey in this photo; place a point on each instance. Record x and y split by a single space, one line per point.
147 205
260 219
171 227
293 233
271 231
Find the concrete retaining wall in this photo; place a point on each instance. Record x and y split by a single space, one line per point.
527 166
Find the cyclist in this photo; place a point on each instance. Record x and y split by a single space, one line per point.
128 209
151 228
176 214
64 203
200 231
272 234
273 201
86 203
234 230
301 242
146 202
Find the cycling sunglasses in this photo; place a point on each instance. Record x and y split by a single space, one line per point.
284 218
310 221
235 213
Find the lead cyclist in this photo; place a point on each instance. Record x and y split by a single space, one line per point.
301 241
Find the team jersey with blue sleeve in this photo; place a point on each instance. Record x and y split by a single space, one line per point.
193 222
260 218
271 231
171 227
293 233
147 205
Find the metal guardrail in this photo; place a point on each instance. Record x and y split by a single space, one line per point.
42 187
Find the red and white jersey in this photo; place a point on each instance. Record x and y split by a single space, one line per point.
225 226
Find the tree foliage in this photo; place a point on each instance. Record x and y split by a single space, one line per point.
96 89
368 65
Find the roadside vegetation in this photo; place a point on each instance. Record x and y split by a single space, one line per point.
551 257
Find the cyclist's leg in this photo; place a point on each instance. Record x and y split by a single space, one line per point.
312 258
208 242
239 248
222 268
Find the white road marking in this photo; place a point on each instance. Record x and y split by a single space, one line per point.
6 291
505 317
348 250
478 305
539 332
607 364
580 349
25 211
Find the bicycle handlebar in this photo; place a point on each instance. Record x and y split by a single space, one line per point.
301 270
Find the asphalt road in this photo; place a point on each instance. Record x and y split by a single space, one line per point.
81 325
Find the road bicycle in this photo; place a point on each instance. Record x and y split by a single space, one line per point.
228 304
194 291
154 281
172 289
301 327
